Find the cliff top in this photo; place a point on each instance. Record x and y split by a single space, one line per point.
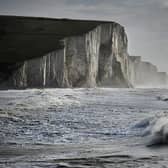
28 37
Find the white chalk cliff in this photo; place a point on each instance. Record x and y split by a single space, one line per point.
96 58
62 53
145 74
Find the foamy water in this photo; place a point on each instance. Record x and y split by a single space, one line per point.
39 128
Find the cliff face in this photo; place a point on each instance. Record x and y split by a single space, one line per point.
134 65
40 52
96 58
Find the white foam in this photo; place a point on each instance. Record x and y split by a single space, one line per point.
157 131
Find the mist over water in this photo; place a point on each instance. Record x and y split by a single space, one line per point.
149 86
52 124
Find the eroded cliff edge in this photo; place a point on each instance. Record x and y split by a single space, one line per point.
96 57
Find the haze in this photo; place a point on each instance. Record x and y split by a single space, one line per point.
145 21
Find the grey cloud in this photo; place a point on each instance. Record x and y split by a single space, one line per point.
83 2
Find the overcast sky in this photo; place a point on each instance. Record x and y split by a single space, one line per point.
145 21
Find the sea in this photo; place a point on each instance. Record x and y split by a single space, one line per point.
84 128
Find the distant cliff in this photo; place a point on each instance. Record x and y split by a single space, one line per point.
145 74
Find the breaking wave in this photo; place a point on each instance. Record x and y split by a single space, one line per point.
154 130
